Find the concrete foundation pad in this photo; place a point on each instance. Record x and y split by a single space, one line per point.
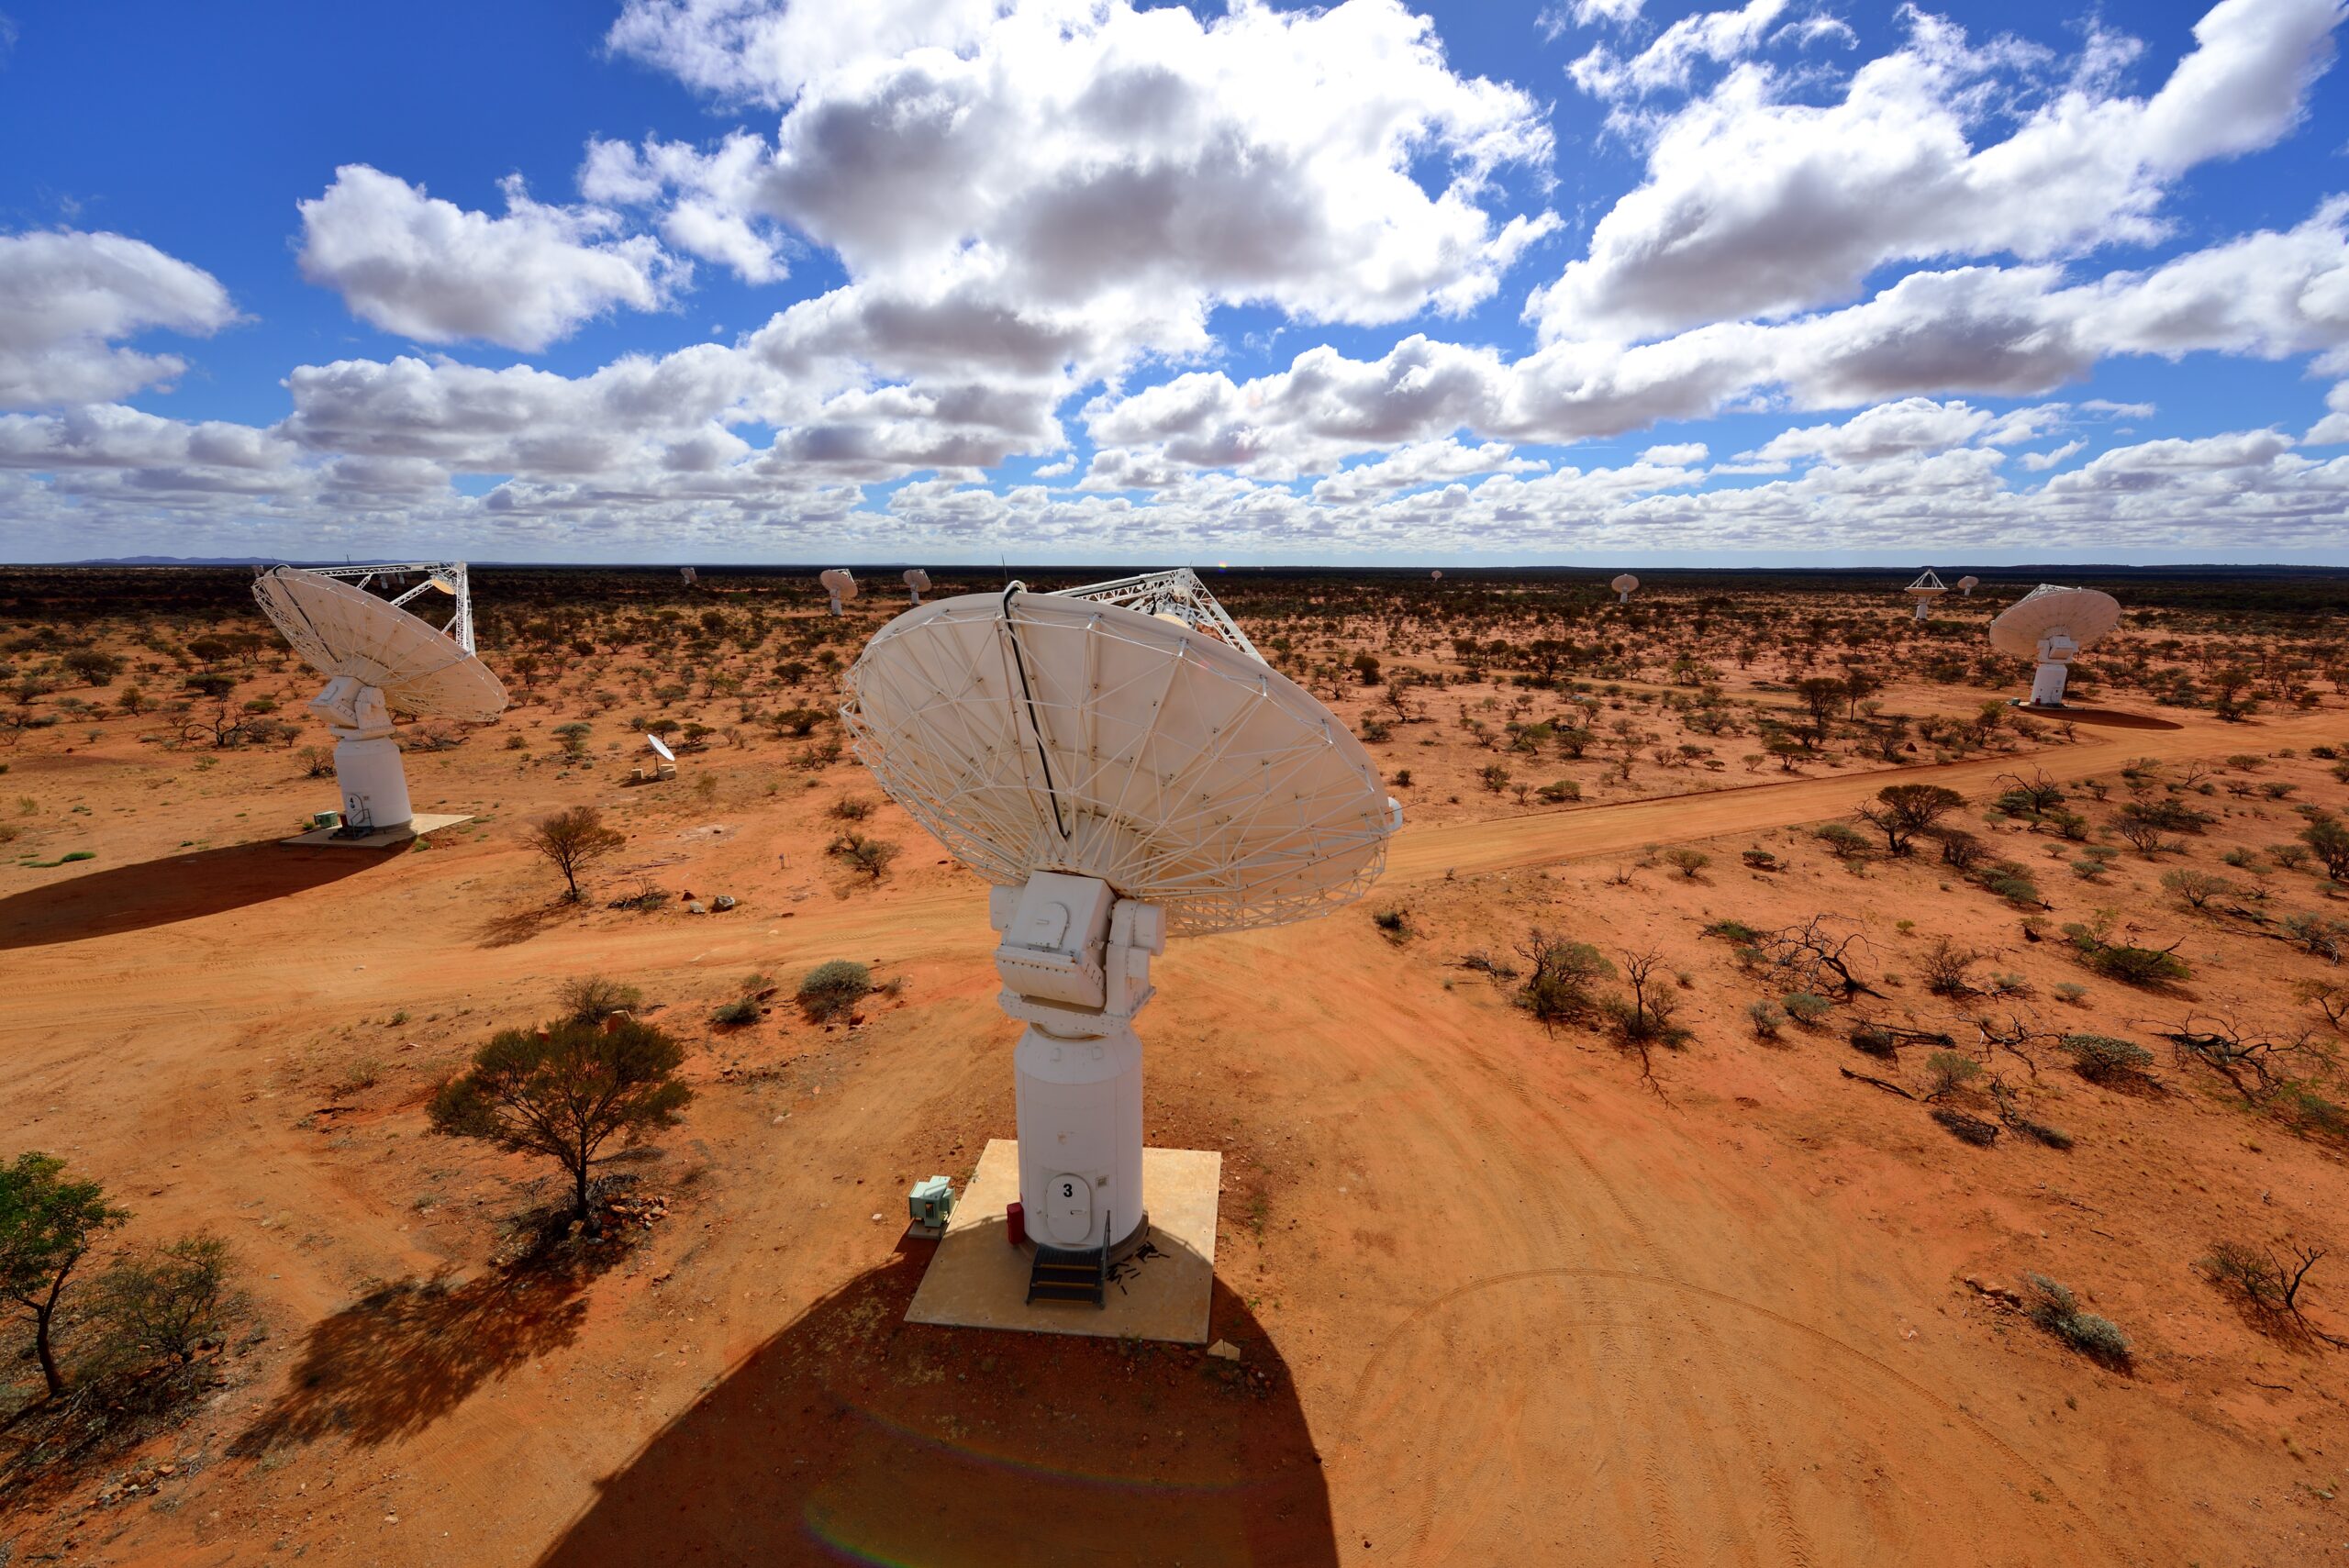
978 1279
414 827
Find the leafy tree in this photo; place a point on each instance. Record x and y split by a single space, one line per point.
564 1092
47 1224
1559 989
1904 810
2329 837
592 998
571 840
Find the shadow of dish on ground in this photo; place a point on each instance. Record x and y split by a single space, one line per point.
161 893
853 1436
2100 717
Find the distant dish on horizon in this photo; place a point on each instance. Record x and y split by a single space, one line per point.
1966 584
917 580
2050 624
689 575
841 583
1925 590
380 659
1625 585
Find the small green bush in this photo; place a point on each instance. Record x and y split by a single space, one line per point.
2102 1059
1806 1008
831 990
2055 1309
735 1014
1769 1019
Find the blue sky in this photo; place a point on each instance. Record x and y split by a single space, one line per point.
1588 280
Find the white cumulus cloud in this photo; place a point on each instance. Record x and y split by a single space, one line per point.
428 269
66 299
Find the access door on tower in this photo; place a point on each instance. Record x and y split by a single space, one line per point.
1068 1211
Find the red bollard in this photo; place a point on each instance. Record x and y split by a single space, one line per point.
1016 1224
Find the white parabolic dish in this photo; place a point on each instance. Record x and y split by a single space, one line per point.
1036 733
2082 614
1624 584
345 631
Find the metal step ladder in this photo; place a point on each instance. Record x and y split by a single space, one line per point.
1071 1274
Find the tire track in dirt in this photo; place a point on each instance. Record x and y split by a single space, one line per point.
2084 1523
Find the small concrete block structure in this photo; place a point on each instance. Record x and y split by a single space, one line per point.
1160 1291
383 839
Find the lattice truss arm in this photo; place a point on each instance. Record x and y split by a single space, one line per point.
1179 773
1178 593
448 576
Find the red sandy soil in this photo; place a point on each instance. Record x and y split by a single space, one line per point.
1497 1300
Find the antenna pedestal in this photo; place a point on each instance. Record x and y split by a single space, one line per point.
1075 958
2047 685
1080 1135
373 784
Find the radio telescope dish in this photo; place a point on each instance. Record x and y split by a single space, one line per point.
1436 577
1119 775
1965 585
1624 586
917 582
1925 590
380 659
661 749
689 575
2050 624
840 584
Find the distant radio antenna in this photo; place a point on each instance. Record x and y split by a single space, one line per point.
2050 624
1925 590
380 659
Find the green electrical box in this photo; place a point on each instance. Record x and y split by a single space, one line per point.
931 1202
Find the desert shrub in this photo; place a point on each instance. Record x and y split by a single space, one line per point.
2267 1283
1767 1017
1967 1128
1557 792
592 998
833 989
1841 839
1945 965
1645 1017
1494 777
2013 883
2320 936
1686 862
571 841
166 1302
1902 811
2329 838
1558 988
1759 860
1961 851
564 1092
2102 1059
735 1014
2197 888
1873 1039
2070 991
872 856
850 808
1735 931
1946 1073
1807 1009
1393 924
2119 960
2054 1308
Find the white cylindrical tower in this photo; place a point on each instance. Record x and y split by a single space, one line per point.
367 770
1080 1137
